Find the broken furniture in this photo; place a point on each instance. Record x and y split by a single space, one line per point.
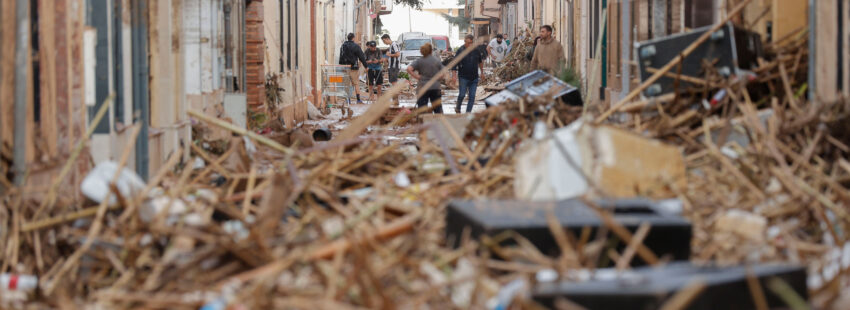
536 84
729 51
650 287
599 160
669 235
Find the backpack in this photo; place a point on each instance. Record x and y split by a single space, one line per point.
346 57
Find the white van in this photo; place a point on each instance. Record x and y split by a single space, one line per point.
407 35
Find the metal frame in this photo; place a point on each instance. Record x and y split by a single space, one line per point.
336 89
141 100
22 9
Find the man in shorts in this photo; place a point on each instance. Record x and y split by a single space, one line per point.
375 73
349 54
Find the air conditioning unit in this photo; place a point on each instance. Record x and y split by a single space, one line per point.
386 7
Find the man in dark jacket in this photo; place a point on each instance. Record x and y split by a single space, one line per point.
349 54
467 73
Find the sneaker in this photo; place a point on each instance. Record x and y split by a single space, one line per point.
457 110
359 102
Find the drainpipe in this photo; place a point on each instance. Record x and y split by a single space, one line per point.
625 47
813 36
313 60
141 74
244 84
21 79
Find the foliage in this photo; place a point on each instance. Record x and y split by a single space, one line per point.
257 119
404 75
416 4
570 76
461 22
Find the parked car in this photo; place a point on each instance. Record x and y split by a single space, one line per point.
410 49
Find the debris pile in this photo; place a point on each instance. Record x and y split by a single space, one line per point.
358 221
767 169
517 63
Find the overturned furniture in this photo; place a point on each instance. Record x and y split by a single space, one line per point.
728 51
536 84
669 234
651 287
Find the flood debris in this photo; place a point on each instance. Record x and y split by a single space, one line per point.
357 219
682 286
668 236
583 159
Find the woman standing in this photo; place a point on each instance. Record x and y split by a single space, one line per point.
426 69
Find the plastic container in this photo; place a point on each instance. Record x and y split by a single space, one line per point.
13 282
96 184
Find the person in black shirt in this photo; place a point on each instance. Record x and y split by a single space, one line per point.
375 74
467 73
349 54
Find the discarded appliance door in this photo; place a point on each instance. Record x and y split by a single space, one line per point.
670 234
650 287
730 50
535 84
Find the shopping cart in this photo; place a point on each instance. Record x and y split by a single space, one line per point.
335 84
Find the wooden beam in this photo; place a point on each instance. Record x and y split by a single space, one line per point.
826 57
62 66
788 16
846 23
7 71
184 134
47 77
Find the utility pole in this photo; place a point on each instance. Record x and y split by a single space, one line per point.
21 80
625 47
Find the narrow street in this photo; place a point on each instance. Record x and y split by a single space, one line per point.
625 154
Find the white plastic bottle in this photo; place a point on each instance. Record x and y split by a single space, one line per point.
13 282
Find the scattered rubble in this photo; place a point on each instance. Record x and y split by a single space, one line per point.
278 220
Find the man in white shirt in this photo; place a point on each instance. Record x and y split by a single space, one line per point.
497 49
393 53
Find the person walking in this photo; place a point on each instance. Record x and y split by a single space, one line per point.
394 52
426 69
467 73
549 53
497 49
349 54
375 73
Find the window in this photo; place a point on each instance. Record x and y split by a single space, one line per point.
440 44
415 44
699 13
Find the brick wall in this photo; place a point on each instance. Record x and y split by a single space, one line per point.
255 79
